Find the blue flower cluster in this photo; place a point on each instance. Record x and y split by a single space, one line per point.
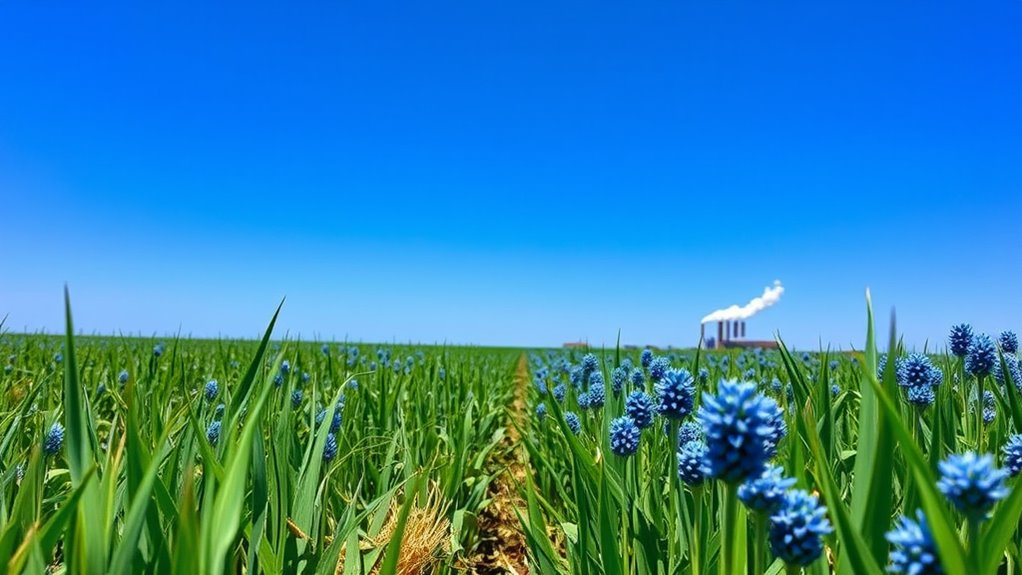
211 390
330 447
913 550
213 433
54 439
797 528
1012 451
658 368
1008 341
972 483
639 406
960 339
692 468
574 423
765 493
624 436
741 427
675 394
982 356
918 376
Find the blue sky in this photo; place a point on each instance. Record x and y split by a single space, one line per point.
511 173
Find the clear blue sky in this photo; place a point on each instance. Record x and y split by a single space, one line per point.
511 172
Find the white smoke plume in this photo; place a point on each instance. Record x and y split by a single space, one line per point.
771 295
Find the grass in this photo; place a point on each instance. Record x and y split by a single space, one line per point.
432 466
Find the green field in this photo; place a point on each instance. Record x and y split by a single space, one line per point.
131 455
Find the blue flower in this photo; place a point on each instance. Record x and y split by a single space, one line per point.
989 407
690 431
882 366
211 389
915 369
589 365
158 350
325 349
960 339
335 423
704 375
278 380
353 384
639 406
921 396
122 378
618 377
741 430
442 373
914 551
776 386
658 368
597 396
972 483
54 439
285 367
797 528
100 389
1013 454
675 394
692 468
982 355
1008 341
574 423
575 375
835 389
541 411
646 357
765 493
1014 370
58 357
330 447
624 436
213 433
296 397
305 377
833 365
219 411
779 428
582 400
559 391
638 378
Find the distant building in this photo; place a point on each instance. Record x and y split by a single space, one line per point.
731 334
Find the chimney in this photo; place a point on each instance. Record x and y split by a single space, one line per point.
702 334
735 330
743 329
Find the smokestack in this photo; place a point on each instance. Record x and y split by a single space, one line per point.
720 334
743 329
735 327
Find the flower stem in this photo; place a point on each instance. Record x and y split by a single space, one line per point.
759 543
979 413
696 532
728 529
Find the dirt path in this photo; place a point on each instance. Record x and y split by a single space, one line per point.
503 548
